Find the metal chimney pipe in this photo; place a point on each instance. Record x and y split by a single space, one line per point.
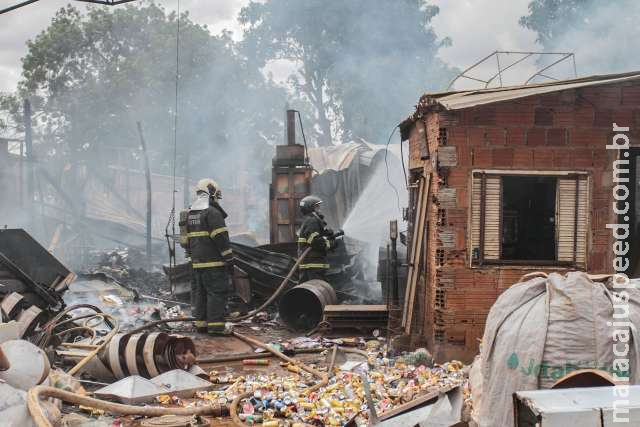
291 127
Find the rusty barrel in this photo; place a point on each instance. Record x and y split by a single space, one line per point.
302 306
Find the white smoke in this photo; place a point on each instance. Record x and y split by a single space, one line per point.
606 41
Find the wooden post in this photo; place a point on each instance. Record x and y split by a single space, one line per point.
147 172
393 235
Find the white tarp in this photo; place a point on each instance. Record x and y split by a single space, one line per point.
542 329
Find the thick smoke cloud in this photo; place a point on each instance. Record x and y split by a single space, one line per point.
604 37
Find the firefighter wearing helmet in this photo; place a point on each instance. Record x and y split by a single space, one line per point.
315 234
211 257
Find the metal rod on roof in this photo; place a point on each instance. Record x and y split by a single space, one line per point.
528 54
469 68
539 72
473 78
16 6
107 2
507 67
548 77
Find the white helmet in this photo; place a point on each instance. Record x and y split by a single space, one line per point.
209 186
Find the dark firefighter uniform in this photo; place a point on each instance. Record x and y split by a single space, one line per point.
313 234
211 257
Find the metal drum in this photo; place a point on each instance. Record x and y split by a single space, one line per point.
301 307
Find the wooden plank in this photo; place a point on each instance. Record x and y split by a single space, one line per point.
572 219
447 198
447 237
447 156
492 218
355 308
476 200
412 254
424 200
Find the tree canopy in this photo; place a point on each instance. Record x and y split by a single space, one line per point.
357 68
603 35
91 76
361 64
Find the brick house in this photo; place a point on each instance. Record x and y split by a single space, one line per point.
508 181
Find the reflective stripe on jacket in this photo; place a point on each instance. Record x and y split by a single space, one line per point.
208 237
311 235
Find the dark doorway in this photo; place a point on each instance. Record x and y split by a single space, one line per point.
528 218
634 211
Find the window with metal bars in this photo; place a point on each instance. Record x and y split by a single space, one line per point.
529 218
442 137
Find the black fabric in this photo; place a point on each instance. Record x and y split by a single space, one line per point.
212 288
313 274
313 224
206 248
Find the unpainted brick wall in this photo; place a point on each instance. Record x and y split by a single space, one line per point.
560 131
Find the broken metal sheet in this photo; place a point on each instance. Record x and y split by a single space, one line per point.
181 383
342 156
408 419
447 410
30 263
265 268
356 315
586 407
131 390
102 285
444 412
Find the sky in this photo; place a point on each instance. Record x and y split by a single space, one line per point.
473 25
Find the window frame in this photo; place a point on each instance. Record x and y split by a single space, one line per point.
558 174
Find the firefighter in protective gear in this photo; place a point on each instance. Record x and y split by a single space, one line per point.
211 257
315 234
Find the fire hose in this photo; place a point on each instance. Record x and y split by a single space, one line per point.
249 315
278 291
42 392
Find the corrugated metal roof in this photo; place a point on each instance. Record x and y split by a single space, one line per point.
473 98
341 156
468 99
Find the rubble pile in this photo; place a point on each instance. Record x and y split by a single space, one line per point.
103 331
276 400
126 266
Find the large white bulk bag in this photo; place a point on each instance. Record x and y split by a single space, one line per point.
544 328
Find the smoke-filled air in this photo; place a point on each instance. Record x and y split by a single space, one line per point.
322 213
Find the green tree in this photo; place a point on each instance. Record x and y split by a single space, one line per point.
360 64
603 35
91 76
551 19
